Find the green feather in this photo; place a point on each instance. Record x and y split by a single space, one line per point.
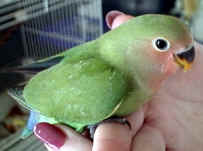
73 92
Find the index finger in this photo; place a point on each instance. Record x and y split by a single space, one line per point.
112 137
117 137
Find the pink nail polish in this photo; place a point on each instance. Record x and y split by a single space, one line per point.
50 134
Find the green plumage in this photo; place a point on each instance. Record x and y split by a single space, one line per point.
105 77
74 92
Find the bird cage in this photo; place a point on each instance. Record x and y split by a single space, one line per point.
45 28
51 26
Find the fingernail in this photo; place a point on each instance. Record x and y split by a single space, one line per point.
50 134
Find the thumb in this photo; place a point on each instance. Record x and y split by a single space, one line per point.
116 18
61 138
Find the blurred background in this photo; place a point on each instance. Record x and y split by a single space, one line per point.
40 28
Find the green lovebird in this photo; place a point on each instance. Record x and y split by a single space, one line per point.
111 76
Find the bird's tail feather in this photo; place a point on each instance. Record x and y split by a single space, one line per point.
17 75
11 77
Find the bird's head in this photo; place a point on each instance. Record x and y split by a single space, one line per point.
162 46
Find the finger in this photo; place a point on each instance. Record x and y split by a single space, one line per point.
61 138
75 141
112 137
148 139
120 20
110 16
136 119
116 18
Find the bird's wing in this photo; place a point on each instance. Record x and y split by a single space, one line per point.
75 53
83 92
15 76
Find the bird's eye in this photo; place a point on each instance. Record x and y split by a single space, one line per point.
161 44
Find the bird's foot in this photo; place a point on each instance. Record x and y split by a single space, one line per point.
119 120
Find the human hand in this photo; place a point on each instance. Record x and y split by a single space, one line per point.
171 121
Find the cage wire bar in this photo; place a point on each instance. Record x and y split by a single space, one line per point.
49 27
57 25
